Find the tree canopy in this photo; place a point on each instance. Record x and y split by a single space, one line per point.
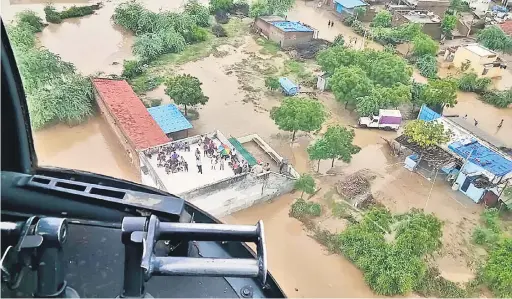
298 114
427 65
382 19
336 143
185 90
306 184
270 7
439 93
494 38
448 24
426 134
424 45
350 83
382 98
272 83
318 151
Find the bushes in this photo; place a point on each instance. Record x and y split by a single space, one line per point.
148 46
200 12
301 208
272 83
218 5
132 68
219 31
500 99
30 18
382 19
53 16
199 34
339 40
497 273
427 65
424 45
471 82
395 266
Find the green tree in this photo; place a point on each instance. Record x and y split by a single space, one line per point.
382 19
272 83
280 7
148 46
318 151
424 45
426 134
387 69
427 65
359 12
30 18
448 24
383 98
200 12
497 272
494 38
258 8
350 83
417 94
339 40
306 184
185 90
470 82
439 93
298 114
217 5
338 143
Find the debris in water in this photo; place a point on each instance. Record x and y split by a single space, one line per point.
308 50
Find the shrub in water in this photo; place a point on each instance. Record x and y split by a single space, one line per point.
30 18
471 82
427 65
132 68
51 14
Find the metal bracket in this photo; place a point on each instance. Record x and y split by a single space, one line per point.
140 234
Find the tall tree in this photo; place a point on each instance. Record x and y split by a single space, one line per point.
426 134
448 24
382 19
306 184
424 45
185 90
298 114
258 8
494 38
383 98
350 83
387 69
318 151
338 143
439 93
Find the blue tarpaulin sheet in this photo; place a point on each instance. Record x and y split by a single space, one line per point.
169 118
483 157
289 26
288 86
428 114
350 3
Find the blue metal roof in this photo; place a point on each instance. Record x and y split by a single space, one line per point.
288 85
483 157
350 3
289 26
169 118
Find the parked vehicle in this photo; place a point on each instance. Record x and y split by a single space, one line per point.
289 88
387 120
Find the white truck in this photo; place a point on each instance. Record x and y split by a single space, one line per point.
387 120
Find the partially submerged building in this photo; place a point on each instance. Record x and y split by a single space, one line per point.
283 32
476 58
127 116
438 7
430 22
467 161
345 8
219 191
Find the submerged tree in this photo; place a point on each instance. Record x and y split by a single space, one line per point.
185 90
350 83
318 151
426 134
298 114
494 38
424 45
306 184
440 93
336 143
382 19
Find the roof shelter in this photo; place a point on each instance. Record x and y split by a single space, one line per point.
291 26
435 156
169 118
130 114
483 156
351 3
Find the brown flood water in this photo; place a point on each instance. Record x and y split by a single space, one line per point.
302 267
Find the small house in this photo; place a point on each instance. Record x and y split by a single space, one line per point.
430 22
170 119
477 58
283 32
346 8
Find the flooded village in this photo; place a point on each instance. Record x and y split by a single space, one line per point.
467 173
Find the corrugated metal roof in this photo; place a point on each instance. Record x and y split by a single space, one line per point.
350 3
169 118
506 27
129 112
483 157
289 26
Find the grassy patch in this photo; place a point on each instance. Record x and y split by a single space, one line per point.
269 47
301 209
145 82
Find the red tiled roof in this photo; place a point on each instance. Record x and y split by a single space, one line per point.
130 113
507 27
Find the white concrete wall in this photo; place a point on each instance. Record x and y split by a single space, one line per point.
235 194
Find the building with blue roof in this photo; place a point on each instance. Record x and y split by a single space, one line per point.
284 32
346 7
170 119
